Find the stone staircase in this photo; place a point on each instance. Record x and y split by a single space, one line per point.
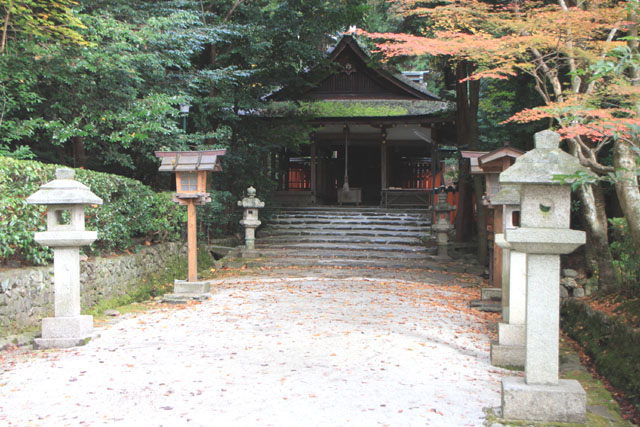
349 237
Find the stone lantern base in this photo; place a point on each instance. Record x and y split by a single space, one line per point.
510 349
63 332
184 291
249 253
563 402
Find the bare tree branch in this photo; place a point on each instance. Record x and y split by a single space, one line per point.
5 26
550 74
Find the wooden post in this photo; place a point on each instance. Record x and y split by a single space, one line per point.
435 166
345 186
192 245
498 219
314 179
273 166
383 159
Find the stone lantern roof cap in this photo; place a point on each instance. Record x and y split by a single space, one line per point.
251 201
64 190
540 165
508 195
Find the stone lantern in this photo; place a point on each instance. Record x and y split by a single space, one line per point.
442 225
491 165
65 199
544 235
250 221
510 348
191 169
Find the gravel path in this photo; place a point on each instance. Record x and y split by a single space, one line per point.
273 351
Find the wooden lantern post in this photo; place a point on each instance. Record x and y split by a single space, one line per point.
191 169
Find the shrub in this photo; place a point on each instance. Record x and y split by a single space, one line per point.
613 345
219 216
131 211
626 260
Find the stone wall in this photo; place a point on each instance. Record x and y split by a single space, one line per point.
26 294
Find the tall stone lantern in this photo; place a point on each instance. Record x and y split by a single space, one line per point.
544 235
250 221
65 199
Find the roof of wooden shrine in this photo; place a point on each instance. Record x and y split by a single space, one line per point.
356 87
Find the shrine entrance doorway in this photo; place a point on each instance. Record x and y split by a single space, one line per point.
363 170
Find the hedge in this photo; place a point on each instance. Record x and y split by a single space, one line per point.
131 212
613 345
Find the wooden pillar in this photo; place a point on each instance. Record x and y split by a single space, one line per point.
314 170
384 169
192 245
435 166
285 169
498 220
273 166
345 185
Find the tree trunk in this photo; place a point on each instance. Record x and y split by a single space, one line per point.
5 26
625 158
595 221
478 187
213 59
625 161
594 218
79 154
467 101
464 215
482 220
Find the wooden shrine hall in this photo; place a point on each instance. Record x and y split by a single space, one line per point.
376 140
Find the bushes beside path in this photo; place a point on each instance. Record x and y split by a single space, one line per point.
132 212
613 345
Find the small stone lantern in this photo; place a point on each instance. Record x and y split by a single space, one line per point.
544 235
250 221
191 169
442 225
65 199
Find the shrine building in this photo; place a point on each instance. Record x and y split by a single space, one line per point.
377 138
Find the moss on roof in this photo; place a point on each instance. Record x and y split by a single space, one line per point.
359 108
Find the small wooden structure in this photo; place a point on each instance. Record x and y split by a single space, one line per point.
191 169
491 164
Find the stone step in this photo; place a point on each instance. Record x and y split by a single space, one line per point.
353 236
347 227
340 239
345 221
347 232
348 263
347 210
341 254
371 248
329 214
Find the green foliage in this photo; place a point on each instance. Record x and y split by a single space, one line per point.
110 104
613 346
131 211
626 257
40 18
499 100
218 217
